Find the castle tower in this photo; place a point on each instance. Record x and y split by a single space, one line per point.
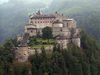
69 23
31 30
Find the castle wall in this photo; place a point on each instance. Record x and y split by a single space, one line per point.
61 31
22 53
19 38
57 25
31 29
63 43
77 41
42 22
56 31
70 23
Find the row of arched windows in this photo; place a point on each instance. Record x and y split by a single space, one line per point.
41 22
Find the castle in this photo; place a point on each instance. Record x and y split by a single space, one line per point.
63 28
64 31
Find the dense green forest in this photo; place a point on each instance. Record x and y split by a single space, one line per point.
71 61
14 15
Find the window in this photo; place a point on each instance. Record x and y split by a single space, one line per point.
31 21
61 29
67 24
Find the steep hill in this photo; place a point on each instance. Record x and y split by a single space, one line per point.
70 61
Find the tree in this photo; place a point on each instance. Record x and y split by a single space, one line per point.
43 54
58 64
22 68
1 69
36 63
47 33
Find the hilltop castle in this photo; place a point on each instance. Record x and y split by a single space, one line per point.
64 31
63 28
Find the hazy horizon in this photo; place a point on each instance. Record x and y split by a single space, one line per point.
47 2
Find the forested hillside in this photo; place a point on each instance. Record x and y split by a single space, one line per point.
71 61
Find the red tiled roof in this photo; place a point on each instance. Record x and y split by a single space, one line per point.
42 16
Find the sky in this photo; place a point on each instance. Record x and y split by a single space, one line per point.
3 1
43 1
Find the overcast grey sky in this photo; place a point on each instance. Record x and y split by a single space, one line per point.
3 1
44 1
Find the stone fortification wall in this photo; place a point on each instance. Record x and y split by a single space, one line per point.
22 53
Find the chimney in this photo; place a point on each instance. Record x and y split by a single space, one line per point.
38 13
62 14
56 12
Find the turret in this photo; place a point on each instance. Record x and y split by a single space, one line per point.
69 23
39 12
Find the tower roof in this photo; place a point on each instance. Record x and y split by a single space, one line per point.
42 16
57 21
